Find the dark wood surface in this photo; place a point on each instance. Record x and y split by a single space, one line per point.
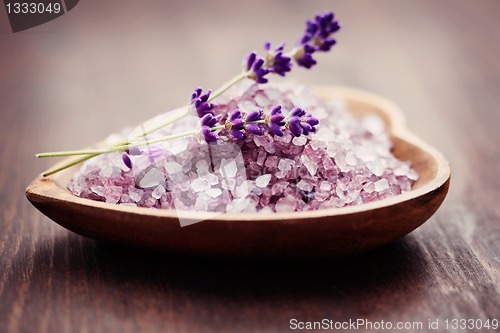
108 64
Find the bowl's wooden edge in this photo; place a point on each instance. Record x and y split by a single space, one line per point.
45 190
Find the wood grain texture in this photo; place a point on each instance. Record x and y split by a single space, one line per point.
109 64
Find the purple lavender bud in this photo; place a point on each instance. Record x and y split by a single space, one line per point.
294 126
303 56
301 123
201 103
250 60
276 62
311 120
317 37
239 134
276 110
209 120
276 121
311 28
207 123
237 125
208 135
255 116
133 151
259 71
276 129
326 44
282 64
236 114
254 65
127 161
297 112
306 128
254 129
196 93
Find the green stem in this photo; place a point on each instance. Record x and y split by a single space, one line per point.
123 146
228 85
95 152
67 165
161 125
120 145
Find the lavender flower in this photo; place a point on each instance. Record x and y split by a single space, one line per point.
301 123
126 160
255 69
201 103
251 126
133 151
127 153
276 62
276 121
303 56
319 31
236 125
208 122
316 38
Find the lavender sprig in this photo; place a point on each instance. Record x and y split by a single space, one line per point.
317 38
301 123
238 125
276 61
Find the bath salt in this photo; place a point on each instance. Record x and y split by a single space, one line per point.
348 161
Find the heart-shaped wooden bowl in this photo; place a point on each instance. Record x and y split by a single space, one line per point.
321 233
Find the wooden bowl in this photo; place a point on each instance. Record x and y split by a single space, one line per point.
322 233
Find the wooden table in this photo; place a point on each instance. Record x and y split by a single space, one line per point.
108 64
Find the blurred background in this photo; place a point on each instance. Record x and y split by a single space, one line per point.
109 64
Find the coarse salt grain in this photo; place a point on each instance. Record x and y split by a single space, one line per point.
262 181
347 162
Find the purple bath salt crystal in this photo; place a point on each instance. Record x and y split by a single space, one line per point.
286 204
154 152
341 161
381 185
261 157
158 192
279 187
286 164
305 186
310 165
151 178
272 162
263 180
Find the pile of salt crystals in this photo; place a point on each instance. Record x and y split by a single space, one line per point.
348 161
